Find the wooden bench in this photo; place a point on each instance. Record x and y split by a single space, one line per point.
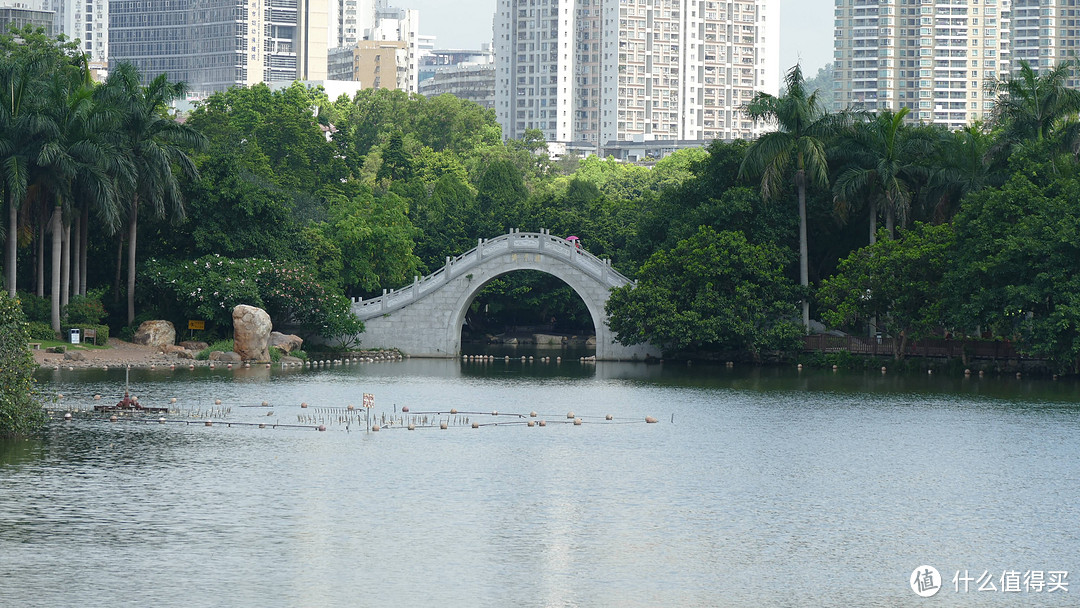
90 334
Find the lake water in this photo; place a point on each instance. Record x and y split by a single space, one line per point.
767 487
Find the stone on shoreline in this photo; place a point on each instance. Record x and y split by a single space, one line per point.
286 343
251 333
158 334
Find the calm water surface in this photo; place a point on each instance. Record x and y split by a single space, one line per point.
757 488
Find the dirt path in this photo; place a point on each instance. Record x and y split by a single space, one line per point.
119 353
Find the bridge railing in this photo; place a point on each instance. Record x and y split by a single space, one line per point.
514 241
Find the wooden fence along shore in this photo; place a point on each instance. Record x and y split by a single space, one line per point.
928 347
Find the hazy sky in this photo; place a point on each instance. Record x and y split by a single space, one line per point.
805 27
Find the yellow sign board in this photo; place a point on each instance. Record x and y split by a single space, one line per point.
193 324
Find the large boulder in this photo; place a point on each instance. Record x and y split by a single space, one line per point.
251 333
158 334
285 343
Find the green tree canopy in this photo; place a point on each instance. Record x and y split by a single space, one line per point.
898 282
713 291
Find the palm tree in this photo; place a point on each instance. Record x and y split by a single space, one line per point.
881 164
153 144
959 166
80 168
1031 105
797 146
21 83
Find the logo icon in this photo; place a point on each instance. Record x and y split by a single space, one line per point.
925 581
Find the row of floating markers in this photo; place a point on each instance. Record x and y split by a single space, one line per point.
523 358
349 416
929 372
247 365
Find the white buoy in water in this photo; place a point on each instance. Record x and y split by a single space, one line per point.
453 410
542 423
350 407
532 414
476 425
442 425
112 418
650 420
262 425
60 395
412 427
67 416
304 404
173 400
375 428
404 408
570 414
609 417
322 427
265 403
577 421
161 421
97 397
209 423
494 412
531 423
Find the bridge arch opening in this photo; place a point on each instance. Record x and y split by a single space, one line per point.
425 318
530 309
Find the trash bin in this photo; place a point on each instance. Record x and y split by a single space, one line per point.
75 335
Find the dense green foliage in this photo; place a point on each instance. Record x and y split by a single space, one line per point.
713 291
210 287
292 201
1016 269
897 282
20 411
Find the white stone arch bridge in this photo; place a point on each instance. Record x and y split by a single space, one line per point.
425 318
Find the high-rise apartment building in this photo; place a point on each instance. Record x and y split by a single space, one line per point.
931 56
602 71
86 21
349 20
1045 33
216 44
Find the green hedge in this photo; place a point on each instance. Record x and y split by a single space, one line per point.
38 331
